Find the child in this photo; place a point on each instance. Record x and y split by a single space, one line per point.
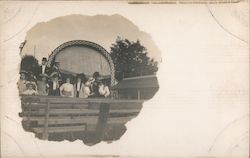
30 89
67 89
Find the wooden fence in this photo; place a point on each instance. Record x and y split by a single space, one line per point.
46 115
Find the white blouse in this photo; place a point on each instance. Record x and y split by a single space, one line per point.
67 87
104 90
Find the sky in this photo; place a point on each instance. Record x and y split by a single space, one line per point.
44 37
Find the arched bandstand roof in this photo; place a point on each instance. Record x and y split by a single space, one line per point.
80 56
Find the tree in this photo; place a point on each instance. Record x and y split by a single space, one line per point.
30 64
131 59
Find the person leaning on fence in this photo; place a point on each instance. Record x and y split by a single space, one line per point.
92 87
96 77
54 85
32 79
86 89
103 89
42 85
30 89
79 87
67 89
21 84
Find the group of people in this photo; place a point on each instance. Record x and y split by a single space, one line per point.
49 82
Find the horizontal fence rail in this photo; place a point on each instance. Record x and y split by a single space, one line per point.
45 115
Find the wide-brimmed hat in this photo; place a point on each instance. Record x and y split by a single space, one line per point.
91 79
23 72
87 83
54 74
96 74
99 78
30 83
43 75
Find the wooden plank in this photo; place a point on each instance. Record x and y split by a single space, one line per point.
120 119
117 105
109 100
34 105
126 105
37 118
76 100
55 105
70 106
55 121
26 99
32 113
79 112
65 100
41 112
124 111
91 127
60 129
70 111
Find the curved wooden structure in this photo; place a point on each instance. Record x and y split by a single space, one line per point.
90 47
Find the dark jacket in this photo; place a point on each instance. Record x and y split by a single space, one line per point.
55 92
46 71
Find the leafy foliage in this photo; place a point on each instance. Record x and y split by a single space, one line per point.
131 59
30 64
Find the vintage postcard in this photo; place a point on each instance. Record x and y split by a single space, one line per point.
128 79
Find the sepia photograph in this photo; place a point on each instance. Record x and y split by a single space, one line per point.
79 90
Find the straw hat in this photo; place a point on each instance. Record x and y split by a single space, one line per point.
87 83
54 74
91 80
23 72
43 75
30 83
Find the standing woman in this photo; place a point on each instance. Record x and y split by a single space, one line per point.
79 86
42 85
21 84
86 90
54 86
104 89
67 89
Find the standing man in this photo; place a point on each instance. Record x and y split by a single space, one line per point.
43 67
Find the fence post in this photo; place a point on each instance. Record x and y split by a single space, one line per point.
29 112
45 134
102 121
